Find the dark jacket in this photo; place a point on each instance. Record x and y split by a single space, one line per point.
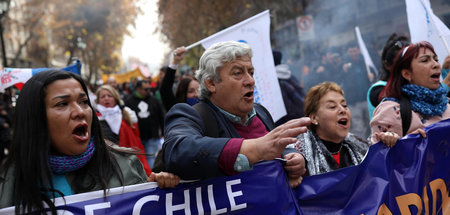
190 154
167 96
293 98
150 115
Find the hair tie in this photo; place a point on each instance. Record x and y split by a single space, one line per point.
404 50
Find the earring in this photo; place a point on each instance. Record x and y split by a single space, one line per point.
316 123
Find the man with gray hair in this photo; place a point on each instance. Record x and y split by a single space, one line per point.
243 133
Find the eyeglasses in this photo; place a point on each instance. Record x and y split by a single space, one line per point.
400 44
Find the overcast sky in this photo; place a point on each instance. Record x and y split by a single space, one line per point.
143 43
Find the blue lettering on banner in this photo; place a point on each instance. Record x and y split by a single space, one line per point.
241 194
411 178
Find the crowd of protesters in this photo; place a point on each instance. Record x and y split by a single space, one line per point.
208 125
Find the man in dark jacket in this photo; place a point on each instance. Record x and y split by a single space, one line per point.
150 113
245 134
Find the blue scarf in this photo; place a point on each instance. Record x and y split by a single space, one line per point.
192 101
63 163
425 101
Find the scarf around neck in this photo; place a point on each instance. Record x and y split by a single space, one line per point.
112 116
425 101
61 164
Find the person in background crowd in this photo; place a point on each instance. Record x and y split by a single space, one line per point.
118 122
5 130
156 84
304 79
91 94
112 82
244 129
126 89
58 148
330 68
357 82
390 50
187 90
444 73
328 145
132 84
150 113
325 70
413 87
291 91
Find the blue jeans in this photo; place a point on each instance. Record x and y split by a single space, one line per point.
152 146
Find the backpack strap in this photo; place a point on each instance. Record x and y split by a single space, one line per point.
405 113
261 110
208 118
211 130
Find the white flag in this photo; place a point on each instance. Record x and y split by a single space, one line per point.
255 31
424 25
11 76
367 59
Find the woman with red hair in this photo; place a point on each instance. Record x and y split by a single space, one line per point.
413 97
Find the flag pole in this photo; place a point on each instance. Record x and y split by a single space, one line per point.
193 45
445 43
364 51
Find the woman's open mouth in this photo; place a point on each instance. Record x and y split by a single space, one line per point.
436 76
343 122
80 133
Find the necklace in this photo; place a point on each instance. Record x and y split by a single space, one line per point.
332 146
340 147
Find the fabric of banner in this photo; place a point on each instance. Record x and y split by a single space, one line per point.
411 178
264 190
124 77
389 180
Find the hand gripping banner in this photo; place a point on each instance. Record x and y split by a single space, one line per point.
264 190
411 178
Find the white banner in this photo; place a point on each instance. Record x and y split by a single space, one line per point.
367 59
424 25
255 31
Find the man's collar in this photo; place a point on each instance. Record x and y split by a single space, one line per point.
236 119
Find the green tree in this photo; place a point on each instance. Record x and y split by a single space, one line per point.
100 25
91 30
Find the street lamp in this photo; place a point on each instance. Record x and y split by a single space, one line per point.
4 6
